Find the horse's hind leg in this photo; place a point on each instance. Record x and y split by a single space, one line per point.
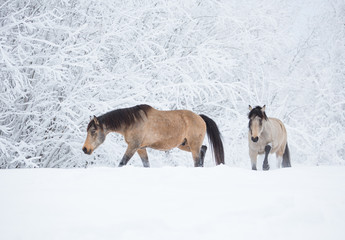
144 158
265 165
279 160
196 158
202 155
286 157
197 152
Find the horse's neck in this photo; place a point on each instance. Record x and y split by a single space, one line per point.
268 125
268 129
108 130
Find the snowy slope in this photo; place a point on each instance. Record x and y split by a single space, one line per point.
172 203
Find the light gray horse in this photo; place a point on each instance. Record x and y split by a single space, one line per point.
267 135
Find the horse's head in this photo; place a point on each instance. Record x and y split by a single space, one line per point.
95 136
257 118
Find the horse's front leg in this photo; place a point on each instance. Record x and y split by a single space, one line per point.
265 165
253 156
128 155
144 158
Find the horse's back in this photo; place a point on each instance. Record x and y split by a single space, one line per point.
177 120
168 129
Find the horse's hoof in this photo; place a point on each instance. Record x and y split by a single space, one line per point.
266 167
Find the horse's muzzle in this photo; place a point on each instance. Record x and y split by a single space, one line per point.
86 151
255 139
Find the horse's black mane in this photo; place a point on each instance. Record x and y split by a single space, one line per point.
257 112
121 117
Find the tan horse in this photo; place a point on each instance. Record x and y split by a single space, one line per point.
145 127
267 135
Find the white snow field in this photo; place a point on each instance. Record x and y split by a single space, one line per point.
172 203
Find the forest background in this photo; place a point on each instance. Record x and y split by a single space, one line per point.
64 61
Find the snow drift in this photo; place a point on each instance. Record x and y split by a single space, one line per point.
172 203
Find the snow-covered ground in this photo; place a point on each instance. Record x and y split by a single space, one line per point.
172 203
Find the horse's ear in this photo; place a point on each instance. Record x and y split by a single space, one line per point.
95 120
263 108
263 112
250 108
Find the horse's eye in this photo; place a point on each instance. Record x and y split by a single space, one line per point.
93 132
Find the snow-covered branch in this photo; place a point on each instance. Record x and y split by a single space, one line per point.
63 61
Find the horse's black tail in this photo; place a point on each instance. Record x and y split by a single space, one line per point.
286 157
214 138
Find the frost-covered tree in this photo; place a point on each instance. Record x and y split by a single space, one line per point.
64 61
